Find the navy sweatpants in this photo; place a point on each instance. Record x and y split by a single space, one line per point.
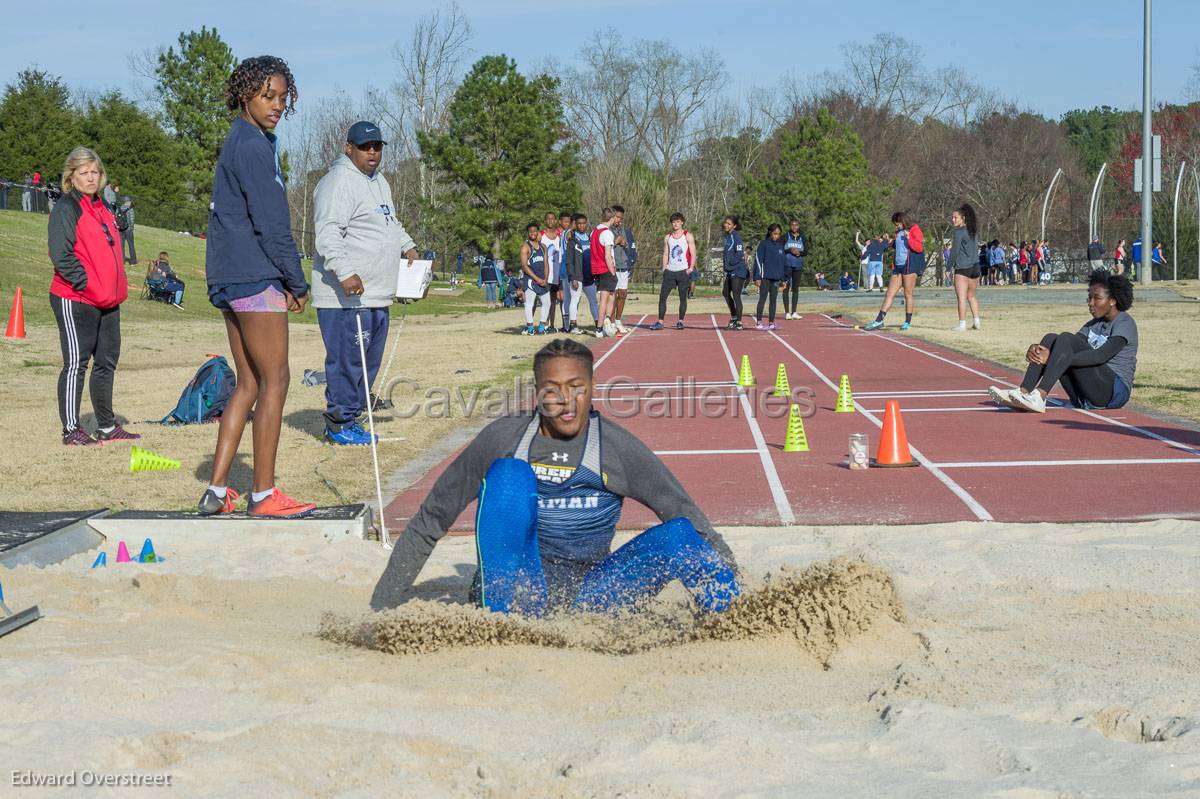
514 577
345 399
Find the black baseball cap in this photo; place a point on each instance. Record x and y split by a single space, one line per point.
363 132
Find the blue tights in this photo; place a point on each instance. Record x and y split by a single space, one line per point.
513 576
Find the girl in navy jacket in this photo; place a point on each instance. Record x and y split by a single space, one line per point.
736 271
770 273
254 278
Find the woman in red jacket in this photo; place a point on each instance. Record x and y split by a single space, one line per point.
86 293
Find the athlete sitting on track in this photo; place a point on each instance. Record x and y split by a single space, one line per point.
1095 365
550 486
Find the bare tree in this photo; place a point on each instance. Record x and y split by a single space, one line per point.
675 87
603 110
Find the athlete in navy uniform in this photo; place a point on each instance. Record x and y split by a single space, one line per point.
550 485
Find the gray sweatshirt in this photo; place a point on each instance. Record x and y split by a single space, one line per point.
357 234
964 253
631 469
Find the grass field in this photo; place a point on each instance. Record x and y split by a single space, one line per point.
448 341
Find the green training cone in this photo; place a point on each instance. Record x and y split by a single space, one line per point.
845 400
143 460
745 376
782 387
796 440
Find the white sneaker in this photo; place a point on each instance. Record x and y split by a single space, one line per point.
620 327
599 333
977 324
1033 401
1003 396
961 327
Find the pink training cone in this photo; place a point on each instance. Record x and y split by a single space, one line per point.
122 553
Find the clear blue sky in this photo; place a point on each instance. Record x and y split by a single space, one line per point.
1048 55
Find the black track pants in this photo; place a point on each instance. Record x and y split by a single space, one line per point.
86 333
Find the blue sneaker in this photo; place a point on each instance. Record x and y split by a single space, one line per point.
656 326
906 326
528 331
351 434
541 330
874 325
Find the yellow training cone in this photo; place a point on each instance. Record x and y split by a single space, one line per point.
745 376
143 460
845 400
796 440
782 388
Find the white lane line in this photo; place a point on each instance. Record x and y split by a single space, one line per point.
993 408
620 341
955 392
705 452
980 512
666 398
635 385
1096 462
782 506
1140 430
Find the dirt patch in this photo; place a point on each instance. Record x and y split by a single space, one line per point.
821 607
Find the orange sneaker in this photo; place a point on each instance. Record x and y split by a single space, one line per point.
280 506
210 504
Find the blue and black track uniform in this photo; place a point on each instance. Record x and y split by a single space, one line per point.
794 249
546 518
736 274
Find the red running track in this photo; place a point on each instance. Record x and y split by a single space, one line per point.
676 391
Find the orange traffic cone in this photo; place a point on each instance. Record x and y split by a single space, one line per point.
893 441
16 318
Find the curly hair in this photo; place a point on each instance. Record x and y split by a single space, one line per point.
1117 286
251 75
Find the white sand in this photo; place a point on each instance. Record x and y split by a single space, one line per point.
1034 662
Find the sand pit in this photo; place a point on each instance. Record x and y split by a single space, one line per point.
1032 660
820 608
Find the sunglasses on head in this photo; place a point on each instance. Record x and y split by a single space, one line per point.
371 146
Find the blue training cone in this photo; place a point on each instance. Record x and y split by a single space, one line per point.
101 560
147 554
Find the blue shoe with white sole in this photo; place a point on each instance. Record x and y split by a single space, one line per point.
350 435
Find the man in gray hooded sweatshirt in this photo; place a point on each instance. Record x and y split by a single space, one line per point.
358 249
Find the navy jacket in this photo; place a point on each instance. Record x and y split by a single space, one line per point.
770 263
735 256
249 224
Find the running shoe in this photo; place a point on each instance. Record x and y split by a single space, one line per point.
961 327
772 326
210 504
609 330
350 435
732 325
78 438
1033 401
760 326
679 325
118 433
977 324
621 327
788 315
656 326
1003 396
378 403
280 506
599 333
876 325
738 325
542 330
551 329
906 326
528 331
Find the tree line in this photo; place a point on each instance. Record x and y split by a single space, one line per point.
478 148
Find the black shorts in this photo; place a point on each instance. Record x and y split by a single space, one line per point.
606 282
971 272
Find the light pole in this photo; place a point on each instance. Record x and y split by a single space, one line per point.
1147 155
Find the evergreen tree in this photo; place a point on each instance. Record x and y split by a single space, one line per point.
142 159
191 82
502 155
38 126
820 176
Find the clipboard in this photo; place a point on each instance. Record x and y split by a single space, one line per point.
412 281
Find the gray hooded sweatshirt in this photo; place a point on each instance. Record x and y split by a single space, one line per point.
357 234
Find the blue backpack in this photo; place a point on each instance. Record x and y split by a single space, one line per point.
205 397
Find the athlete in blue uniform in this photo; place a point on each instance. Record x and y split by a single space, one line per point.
550 486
